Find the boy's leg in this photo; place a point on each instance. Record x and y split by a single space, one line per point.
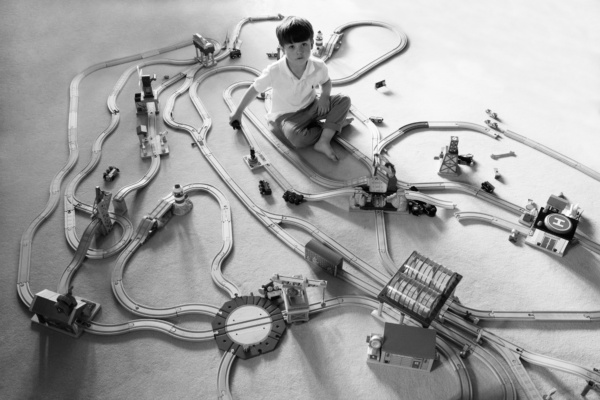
335 120
276 129
301 128
339 105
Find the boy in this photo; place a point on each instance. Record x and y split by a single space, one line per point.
296 108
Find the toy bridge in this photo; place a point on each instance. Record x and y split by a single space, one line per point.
420 288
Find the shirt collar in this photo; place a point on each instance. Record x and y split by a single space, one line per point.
310 67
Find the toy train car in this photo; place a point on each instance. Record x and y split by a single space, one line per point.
264 188
418 207
488 187
318 254
110 174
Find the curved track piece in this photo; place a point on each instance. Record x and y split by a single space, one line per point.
150 325
223 376
144 180
238 28
519 371
552 153
330 48
501 374
482 354
226 234
433 125
80 254
466 387
490 219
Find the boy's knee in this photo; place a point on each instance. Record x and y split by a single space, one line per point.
345 101
300 137
279 132
289 131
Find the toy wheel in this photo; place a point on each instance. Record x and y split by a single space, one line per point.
430 210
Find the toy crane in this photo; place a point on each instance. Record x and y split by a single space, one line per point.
147 95
295 296
100 210
204 50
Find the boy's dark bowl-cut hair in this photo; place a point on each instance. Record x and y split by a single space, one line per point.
294 30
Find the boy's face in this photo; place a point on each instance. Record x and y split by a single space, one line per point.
299 52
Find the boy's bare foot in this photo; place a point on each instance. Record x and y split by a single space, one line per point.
347 122
325 148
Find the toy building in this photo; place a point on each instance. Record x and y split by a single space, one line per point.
376 196
380 192
555 225
63 312
403 346
420 288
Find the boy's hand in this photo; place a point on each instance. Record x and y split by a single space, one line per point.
323 105
234 120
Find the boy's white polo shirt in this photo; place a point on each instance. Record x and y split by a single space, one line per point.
290 93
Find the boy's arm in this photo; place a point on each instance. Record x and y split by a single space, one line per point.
250 95
323 104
